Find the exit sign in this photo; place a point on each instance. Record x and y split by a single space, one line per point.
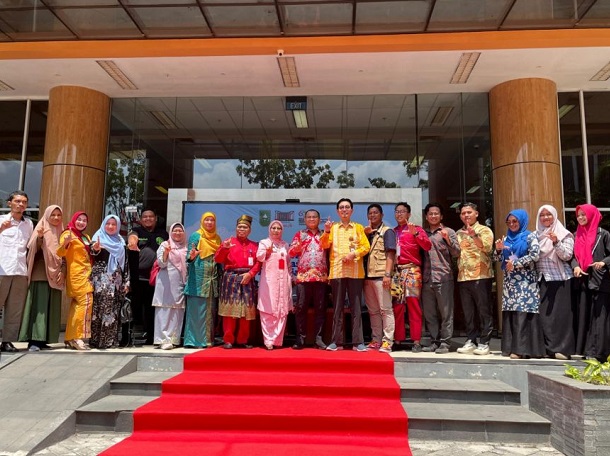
296 103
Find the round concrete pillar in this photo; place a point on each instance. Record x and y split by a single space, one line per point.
76 150
525 148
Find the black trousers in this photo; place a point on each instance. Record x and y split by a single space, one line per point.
143 311
310 294
477 301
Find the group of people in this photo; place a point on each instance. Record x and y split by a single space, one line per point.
556 289
555 292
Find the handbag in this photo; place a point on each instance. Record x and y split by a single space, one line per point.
126 314
152 280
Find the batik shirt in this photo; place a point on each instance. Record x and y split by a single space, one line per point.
312 266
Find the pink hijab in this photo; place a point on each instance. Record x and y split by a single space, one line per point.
177 255
50 243
586 235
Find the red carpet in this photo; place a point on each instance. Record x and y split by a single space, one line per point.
274 403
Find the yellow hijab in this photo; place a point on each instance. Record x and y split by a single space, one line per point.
209 241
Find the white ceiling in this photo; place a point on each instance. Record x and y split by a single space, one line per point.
319 74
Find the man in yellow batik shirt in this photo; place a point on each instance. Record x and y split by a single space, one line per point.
348 245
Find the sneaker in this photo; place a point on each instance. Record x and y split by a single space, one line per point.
443 349
386 347
333 347
430 348
374 345
320 344
482 349
359 348
467 349
167 346
417 348
561 356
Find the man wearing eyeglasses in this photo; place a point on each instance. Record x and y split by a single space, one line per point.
474 279
348 245
410 241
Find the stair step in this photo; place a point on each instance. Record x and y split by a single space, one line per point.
280 413
476 423
291 383
111 413
470 391
140 383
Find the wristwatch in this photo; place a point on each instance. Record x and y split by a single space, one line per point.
387 274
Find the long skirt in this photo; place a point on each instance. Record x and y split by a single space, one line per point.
105 321
78 325
42 314
598 338
556 307
237 300
581 312
273 329
199 325
522 334
168 325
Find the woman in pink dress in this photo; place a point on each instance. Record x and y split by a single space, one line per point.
275 288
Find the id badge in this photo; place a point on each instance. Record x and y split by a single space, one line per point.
397 250
250 261
281 264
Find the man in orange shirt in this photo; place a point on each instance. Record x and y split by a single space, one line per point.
348 245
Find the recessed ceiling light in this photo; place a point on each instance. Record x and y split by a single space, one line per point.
603 74
465 66
4 86
288 70
116 74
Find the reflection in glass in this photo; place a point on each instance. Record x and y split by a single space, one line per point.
12 118
597 121
35 151
574 190
449 15
317 18
543 13
392 17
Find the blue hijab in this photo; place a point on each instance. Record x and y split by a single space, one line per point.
516 241
114 244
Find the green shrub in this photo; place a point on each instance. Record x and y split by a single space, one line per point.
594 372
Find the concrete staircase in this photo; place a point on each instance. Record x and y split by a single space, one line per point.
469 410
440 405
115 411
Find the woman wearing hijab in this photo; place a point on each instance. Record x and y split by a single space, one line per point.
518 251
591 264
201 284
275 288
555 279
110 277
42 313
238 289
168 299
74 246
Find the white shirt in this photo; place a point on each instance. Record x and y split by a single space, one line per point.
13 246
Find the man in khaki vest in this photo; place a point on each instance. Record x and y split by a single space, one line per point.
379 264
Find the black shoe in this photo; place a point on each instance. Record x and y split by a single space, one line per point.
248 346
8 347
227 346
297 347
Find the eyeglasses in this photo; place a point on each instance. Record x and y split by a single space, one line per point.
546 215
401 212
344 207
512 222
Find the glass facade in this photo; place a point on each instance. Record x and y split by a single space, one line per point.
438 142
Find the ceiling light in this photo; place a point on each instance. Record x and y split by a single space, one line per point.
465 67
163 119
473 189
565 109
455 205
603 74
161 189
441 115
288 69
300 119
4 86
115 73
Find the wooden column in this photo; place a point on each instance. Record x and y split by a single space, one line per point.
524 148
76 150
